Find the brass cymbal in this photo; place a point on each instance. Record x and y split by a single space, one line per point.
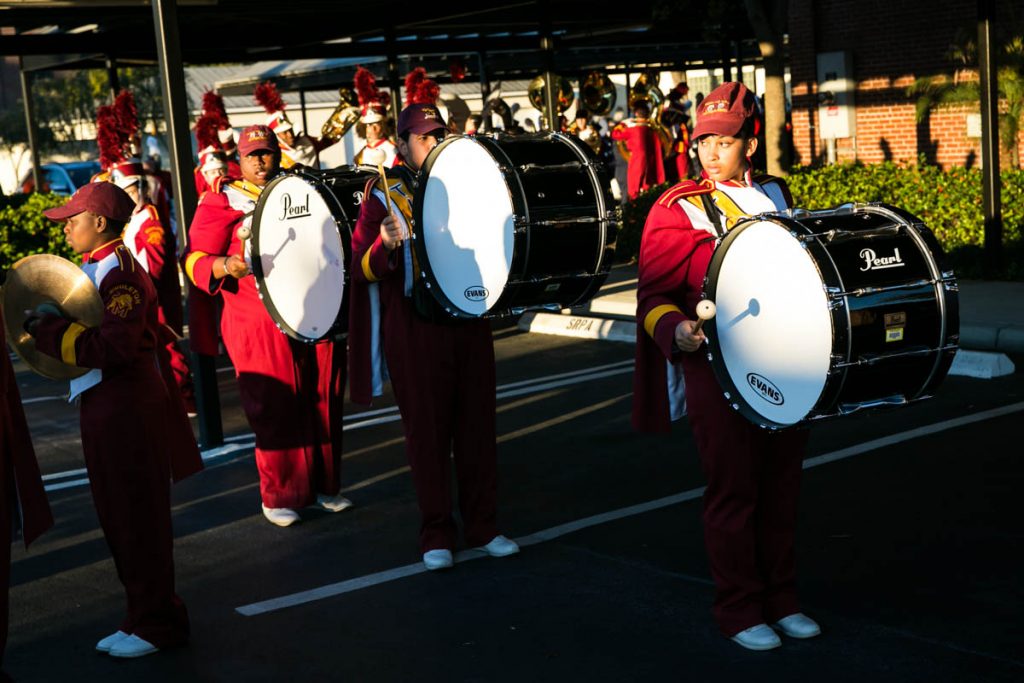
37 279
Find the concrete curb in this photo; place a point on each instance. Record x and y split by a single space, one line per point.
981 364
584 327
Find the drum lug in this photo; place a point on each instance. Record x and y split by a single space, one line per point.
835 303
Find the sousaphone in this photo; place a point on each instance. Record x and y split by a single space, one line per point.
43 278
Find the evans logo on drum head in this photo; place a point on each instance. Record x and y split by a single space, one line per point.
765 389
476 293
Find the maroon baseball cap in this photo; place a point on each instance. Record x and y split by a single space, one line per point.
103 199
725 110
257 138
420 119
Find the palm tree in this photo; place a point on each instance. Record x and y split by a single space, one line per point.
964 86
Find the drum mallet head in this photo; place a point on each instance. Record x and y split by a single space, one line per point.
376 157
243 233
705 311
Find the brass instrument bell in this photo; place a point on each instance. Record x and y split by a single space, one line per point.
344 116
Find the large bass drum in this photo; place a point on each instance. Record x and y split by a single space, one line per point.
301 237
824 313
507 223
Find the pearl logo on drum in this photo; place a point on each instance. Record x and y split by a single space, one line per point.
477 293
873 262
290 210
765 389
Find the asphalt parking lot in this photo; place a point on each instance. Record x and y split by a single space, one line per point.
910 550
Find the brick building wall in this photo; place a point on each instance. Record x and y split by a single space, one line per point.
892 43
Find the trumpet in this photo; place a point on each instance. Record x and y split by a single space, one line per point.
344 116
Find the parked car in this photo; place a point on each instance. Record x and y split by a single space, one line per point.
63 178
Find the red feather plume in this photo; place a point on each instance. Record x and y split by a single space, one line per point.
108 137
127 115
419 89
266 94
367 91
213 103
206 130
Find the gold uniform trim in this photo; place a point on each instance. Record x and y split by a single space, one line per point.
67 343
367 270
190 265
655 315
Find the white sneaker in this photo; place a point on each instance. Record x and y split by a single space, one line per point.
110 641
333 503
799 625
759 637
438 559
133 646
281 516
500 547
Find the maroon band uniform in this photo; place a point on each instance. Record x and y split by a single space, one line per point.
442 374
135 434
291 392
753 475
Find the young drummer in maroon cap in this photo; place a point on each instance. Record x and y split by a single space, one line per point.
291 391
134 429
441 371
753 475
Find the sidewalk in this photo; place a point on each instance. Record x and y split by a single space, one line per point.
991 313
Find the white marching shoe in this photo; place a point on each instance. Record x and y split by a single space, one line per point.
133 646
799 625
333 503
500 546
110 641
759 637
438 559
281 516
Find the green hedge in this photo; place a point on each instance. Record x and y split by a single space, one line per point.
948 201
24 230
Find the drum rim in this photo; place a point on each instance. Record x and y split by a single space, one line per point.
715 357
519 206
257 266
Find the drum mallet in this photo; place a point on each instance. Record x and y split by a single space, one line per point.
705 311
376 157
243 233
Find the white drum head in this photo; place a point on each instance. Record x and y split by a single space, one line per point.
301 271
773 323
467 226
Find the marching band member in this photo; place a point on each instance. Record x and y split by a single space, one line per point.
155 249
675 116
373 123
23 504
291 391
644 168
441 370
750 504
134 429
295 148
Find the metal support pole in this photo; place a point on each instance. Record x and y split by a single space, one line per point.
990 195
302 105
394 80
113 82
485 83
550 83
30 123
726 62
739 62
172 81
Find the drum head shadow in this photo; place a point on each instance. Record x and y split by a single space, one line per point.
467 226
773 326
298 258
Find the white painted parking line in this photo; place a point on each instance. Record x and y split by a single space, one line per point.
377 578
241 442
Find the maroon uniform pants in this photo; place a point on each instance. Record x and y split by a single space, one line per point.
750 506
125 448
292 395
443 379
